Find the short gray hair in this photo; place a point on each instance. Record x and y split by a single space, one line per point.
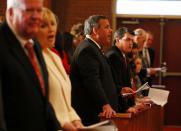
13 3
140 32
92 21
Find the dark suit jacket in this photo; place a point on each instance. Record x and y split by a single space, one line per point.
121 74
2 121
92 82
25 108
152 56
121 71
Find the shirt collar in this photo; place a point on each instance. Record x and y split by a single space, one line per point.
89 37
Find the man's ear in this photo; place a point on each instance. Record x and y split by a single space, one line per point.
117 39
10 13
94 30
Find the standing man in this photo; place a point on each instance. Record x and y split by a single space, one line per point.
23 71
117 56
148 54
93 89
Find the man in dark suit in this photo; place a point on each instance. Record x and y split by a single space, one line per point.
148 45
93 89
117 56
26 107
146 71
148 56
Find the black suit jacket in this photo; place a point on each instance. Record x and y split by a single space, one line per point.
2 121
122 75
25 108
92 82
152 56
120 70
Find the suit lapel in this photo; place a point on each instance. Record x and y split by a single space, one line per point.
17 51
94 45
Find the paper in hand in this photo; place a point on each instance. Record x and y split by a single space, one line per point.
106 125
143 87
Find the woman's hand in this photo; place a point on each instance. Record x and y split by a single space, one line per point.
69 126
78 124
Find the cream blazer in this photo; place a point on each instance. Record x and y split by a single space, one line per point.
59 89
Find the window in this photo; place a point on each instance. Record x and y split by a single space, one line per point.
161 8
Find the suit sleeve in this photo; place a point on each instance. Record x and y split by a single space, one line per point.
2 121
89 67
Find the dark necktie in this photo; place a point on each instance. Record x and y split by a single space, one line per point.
125 61
32 57
146 57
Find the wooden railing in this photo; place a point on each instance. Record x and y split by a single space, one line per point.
150 119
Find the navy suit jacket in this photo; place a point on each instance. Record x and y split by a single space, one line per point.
25 108
92 82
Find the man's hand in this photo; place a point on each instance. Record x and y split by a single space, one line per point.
152 71
126 90
108 112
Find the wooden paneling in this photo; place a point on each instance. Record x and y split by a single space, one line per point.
2 7
47 3
73 11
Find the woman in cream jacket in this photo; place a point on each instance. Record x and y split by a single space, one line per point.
59 83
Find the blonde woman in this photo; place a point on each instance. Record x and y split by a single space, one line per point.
59 83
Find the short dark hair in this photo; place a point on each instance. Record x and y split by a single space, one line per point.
121 31
92 21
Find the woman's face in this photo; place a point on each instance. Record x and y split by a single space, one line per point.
138 64
47 33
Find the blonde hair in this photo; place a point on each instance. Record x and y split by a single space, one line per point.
47 15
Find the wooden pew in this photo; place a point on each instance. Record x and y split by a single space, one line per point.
150 119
